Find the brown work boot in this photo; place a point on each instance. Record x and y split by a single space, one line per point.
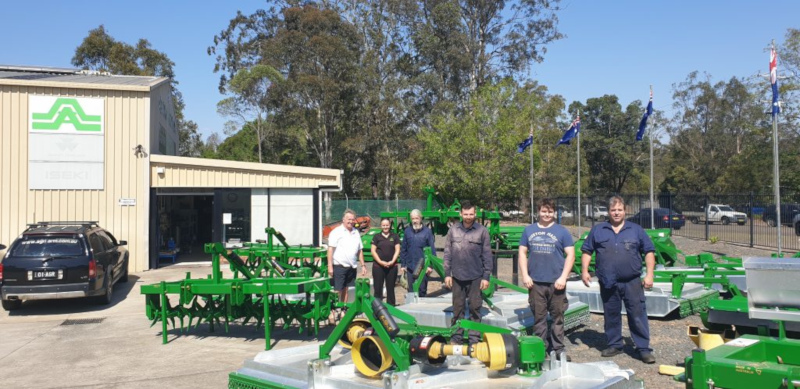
610 352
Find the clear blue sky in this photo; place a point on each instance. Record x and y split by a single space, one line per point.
612 47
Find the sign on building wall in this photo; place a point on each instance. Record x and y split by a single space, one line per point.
66 142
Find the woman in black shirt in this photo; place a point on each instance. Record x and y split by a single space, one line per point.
385 250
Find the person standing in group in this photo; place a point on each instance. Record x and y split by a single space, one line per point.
415 238
550 255
467 267
618 246
344 255
385 250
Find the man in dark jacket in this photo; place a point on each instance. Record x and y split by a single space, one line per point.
467 267
415 238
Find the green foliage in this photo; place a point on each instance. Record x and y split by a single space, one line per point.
100 51
608 140
475 156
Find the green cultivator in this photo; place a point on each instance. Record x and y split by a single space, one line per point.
271 285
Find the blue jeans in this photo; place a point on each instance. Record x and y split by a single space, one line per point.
632 294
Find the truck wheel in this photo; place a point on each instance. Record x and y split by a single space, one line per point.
694 220
725 220
11 305
797 229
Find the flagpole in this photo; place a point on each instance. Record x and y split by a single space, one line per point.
578 158
775 158
531 151
652 204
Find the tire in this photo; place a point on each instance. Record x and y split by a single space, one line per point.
124 277
725 220
771 222
106 297
797 229
12 305
676 228
694 220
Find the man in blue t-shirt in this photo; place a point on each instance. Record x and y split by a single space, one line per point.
550 251
618 246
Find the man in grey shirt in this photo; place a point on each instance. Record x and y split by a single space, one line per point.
467 267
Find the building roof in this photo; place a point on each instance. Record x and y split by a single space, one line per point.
167 171
75 78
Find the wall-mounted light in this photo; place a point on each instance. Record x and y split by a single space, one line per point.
160 170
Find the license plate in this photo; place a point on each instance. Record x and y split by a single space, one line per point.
44 274
675 218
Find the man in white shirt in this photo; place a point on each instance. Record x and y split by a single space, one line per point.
344 254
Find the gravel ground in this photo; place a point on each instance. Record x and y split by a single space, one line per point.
667 335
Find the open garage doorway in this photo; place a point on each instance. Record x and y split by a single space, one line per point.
183 224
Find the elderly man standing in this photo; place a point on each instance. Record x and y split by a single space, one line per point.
467 267
415 238
618 247
344 254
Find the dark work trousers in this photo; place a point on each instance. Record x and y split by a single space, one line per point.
423 287
381 274
543 299
632 294
463 291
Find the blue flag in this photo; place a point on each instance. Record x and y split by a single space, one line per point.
571 132
525 144
773 79
643 123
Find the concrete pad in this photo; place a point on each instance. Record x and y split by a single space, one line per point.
122 350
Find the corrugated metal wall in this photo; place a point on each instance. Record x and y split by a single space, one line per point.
127 120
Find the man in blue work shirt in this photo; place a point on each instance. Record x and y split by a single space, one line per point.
415 238
618 246
467 267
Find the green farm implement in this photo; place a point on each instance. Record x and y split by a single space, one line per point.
379 346
272 284
765 360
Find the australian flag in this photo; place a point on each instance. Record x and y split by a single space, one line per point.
643 123
572 132
773 79
525 144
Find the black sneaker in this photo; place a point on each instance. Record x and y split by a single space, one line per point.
610 352
647 357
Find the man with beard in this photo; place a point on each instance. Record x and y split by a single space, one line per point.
415 238
467 267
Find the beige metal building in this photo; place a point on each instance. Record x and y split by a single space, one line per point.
80 146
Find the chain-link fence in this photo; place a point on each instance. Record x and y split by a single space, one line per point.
333 210
748 219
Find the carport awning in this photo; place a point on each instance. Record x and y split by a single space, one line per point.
168 171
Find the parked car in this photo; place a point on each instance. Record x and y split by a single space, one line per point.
57 260
664 218
562 211
788 212
717 213
598 212
513 213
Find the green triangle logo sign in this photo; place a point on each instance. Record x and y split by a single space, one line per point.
66 114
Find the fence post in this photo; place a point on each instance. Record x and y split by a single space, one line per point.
706 211
591 212
751 217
